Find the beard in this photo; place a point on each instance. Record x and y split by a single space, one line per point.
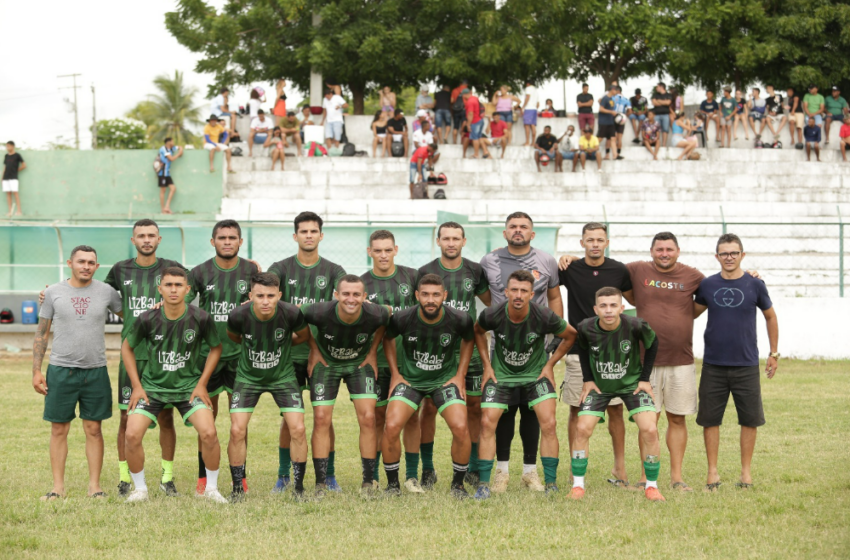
429 315
514 242
221 256
147 252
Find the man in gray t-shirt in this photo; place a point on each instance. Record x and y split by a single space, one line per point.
77 372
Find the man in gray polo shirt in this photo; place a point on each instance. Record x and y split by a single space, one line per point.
77 308
498 266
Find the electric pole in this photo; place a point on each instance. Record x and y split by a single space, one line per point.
93 120
76 118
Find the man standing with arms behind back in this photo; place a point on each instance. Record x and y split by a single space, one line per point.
13 163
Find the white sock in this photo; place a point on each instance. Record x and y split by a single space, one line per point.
652 484
139 480
578 482
502 466
526 469
212 479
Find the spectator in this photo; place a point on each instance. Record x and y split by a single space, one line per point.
379 133
796 117
417 164
333 108
585 108
504 101
458 111
545 144
835 110
814 105
443 113
424 101
727 115
333 84
476 123
622 106
683 135
529 112
649 131
397 128
844 137
588 148
259 133
305 119
757 107
775 118
741 114
255 101
290 127
711 110
676 103
276 144
422 116
220 107
566 147
549 110
500 134
167 154
13 163
606 128
279 109
661 101
638 114
424 137
812 135
215 140
464 138
388 100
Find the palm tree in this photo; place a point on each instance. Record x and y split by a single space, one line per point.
170 112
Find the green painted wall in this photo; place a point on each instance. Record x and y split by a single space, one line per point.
110 184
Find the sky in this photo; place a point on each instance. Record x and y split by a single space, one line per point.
120 55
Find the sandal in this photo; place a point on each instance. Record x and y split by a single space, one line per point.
744 485
50 496
713 486
98 495
682 487
639 487
618 482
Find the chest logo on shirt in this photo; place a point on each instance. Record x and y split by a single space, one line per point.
278 334
158 279
189 336
321 282
728 297
596 273
361 338
241 286
467 284
445 339
535 273
81 305
128 282
293 282
531 338
625 347
404 289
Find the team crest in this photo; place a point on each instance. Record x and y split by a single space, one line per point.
361 338
404 289
278 334
189 336
399 389
445 339
531 338
242 286
126 392
536 274
625 347
491 391
234 398
467 284
158 279
321 282
320 389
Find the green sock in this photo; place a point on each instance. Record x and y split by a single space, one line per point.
331 471
411 465
485 469
167 471
377 467
473 458
550 469
124 472
427 452
579 466
651 466
284 462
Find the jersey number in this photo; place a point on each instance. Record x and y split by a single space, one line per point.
646 400
450 393
370 385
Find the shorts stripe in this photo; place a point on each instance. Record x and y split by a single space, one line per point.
123 407
599 414
192 411
543 398
449 403
364 396
216 392
301 410
408 402
324 403
641 409
235 410
144 413
494 405
384 402
474 393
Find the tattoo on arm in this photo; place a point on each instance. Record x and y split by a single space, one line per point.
39 347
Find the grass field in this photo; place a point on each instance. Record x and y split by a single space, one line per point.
800 507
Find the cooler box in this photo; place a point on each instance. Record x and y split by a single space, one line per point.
29 312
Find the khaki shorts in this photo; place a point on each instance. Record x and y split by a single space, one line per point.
675 388
799 120
574 383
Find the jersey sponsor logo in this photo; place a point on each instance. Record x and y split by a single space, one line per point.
343 353
459 305
612 370
531 338
157 337
427 361
728 297
249 336
664 285
329 336
140 304
445 339
293 281
299 301
372 296
595 349
173 361
241 286
279 334
321 282
128 282
220 310
626 346
210 287
467 284
404 289
362 337
262 359
502 336
412 338
513 358
189 336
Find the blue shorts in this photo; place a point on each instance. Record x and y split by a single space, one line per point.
550 153
476 130
529 117
414 172
567 155
664 121
260 137
507 116
640 118
833 118
443 118
590 156
333 130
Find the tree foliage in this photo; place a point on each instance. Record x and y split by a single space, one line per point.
170 112
121 134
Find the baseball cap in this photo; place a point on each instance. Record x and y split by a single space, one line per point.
836 88
637 91
421 113
213 118
465 90
423 87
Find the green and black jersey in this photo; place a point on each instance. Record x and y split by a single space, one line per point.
306 284
397 290
520 352
614 356
220 291
463 285
429 355
138 288
174 363
342 343
265 357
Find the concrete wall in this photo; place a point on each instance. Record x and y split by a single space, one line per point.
114 184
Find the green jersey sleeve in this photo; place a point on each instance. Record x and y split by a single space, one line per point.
112 278
235 321
482 284
554 324
277 270
483 321
308 312
645 333
393 328
140 329
295 317
466 327
210 334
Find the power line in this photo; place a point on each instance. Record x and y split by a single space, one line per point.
75 87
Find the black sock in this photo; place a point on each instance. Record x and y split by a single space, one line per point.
529 433
459 473
202 468
237 474
368 466
298 470
392 474
505 434
321 468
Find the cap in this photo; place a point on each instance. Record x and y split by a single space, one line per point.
637 91
421 113
836 88
465 90
423 87
727 88
213 118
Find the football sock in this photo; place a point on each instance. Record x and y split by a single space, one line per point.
411 465
473 458
392 474
550 469
124 472
331 469
459 473
528 469
651 466
376 473
283 461
212 480
202 468
298 470
368 469
485 469
167 471
321 468
503 466
579 468
139 480
427 452
237 473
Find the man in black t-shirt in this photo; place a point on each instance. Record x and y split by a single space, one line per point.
545 145
397 127
775 115
795 115
12 164
585 108
638 115
661 101
443 113
711 109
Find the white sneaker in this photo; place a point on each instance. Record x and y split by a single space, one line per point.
412 485
215 496
532 482
137 496
500 482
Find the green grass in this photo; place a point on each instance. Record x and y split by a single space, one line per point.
800 507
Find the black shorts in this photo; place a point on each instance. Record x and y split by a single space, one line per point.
595 404
382 388
620 128
606 131
716 382
473 380
442 396
301 375
153 407
125 388
325 383
457 119
499 395
223 377
164 180
286 395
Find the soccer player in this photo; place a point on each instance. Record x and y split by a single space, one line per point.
428 367
609 350
305 278
464 280
344 348
519 330
265 331
392 285
222 283
174 335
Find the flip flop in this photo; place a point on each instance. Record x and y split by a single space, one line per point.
744 485
682 487
713 486
98 495
618 482
50 496
639 487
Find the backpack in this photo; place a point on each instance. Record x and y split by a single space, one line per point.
348 150
344 138
440 194
316 150
777 145
157 164
397 149
457 106
420 191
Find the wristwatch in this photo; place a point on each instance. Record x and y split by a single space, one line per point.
774 355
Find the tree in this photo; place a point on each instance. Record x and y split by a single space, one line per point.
121 134
170 112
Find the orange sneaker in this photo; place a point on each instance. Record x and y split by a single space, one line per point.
201 487
654 495
577 493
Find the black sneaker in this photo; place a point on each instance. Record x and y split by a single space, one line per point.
392 490
124 489
169 489
428 480
459 492
620 157
636 141
471 478
237 495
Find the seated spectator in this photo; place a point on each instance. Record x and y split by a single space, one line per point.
443 113
545 144
811 134
711 112
585 108
220 107
683 134
814 105
215 140
567 147
661 106
757 108
305 119
588 148
276 146
333 108
844 137
397 129
741 116
422 116
259 132
638 114
549 110
649 132
500 134
476 124
290 129
379 133
465 142
606 127
417 164
727 115
775 116
388 100
835 108
796 117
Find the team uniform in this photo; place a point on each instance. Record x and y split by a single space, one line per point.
519 355
429 356
220 291
463 285
138 288
344 346
174 365
399 292
265 364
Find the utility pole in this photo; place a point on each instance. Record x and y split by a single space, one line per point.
93 120
76 118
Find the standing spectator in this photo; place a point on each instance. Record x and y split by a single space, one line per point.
215 140
683 134
566 147
500 134
796 117
622 106
167 154
638 114
844 137
649 132
13 163
757 108
741 114
606 128
77 309
545 144
814 105
220 107
458 111
731 360
424 101
259 133
711 110
585 108
388 100
504 101
443 113
379 133
417 164
727 115
275 143
812 136
588 148
397 129
836 110
333 107
661 101
529 112
476 123
676 103
290 127
280 101
775 118
255 101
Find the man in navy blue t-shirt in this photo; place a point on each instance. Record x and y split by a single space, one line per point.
731 361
